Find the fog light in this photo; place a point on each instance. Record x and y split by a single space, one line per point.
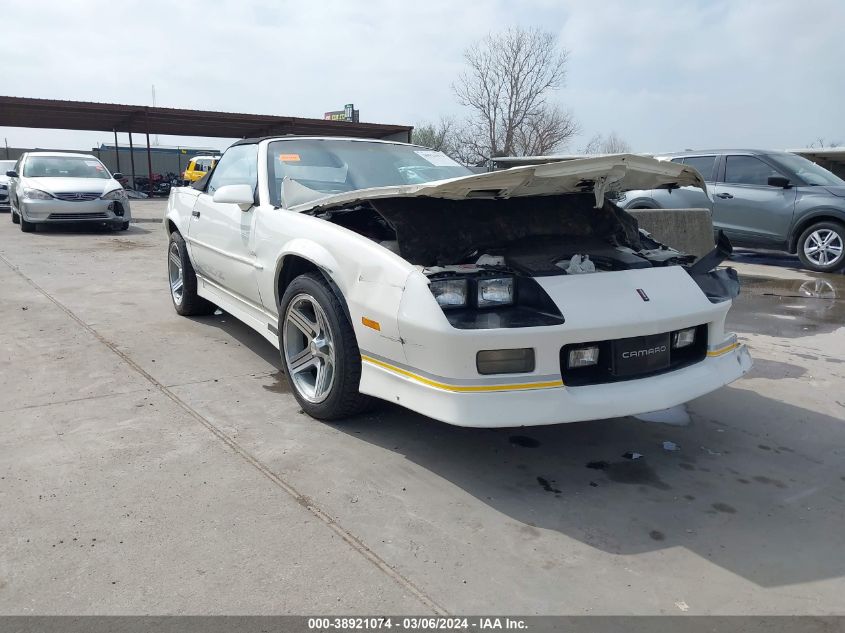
682 338
505 361
583 357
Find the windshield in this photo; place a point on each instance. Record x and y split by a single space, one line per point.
64 167
807 170
334 166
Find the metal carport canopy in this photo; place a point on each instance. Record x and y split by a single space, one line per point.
85 115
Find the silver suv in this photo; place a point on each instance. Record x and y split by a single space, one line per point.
763 199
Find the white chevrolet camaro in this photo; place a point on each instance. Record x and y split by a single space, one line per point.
511 298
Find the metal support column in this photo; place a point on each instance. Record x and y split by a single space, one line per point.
116 152
132 159
149 154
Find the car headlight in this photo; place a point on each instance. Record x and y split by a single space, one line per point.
115 194
36 194
495 292
450 293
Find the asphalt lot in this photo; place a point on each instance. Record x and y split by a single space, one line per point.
157 464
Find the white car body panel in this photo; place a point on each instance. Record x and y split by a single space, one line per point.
417 358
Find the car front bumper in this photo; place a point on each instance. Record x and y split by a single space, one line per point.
57 211
431 367
553 403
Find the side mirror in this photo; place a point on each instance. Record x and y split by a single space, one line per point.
241 195
117 175
779 181
12 173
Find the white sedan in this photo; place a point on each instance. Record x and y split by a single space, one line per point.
61 187
511 298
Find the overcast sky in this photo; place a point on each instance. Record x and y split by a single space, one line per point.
665 75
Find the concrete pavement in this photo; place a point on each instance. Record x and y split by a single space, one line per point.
172 452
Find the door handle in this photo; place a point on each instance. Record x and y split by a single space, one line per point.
724 196
196 214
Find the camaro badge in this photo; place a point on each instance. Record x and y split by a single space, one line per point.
642 294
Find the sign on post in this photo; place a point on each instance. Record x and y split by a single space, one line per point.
349 114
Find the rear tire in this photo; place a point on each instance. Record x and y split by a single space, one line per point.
183 280
821 247
319 351
26 227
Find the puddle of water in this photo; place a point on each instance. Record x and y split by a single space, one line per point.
789 307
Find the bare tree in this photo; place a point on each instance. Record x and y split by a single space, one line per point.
541 133
820 143
610 144
505 86
441 136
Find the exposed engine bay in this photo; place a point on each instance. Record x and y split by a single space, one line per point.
537 235
482 256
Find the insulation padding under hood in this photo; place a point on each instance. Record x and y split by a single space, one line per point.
433 231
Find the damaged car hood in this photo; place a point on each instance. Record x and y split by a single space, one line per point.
622 172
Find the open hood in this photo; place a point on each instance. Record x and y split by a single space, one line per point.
621 172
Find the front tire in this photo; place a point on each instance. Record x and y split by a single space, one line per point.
183 280
26 227
821 247
16 219
319 351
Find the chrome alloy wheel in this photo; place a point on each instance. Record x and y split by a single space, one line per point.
823 247
174 272
308 348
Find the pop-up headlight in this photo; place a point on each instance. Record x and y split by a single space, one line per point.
495 292
450 293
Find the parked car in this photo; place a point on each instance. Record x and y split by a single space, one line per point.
198 167
57 187
763 199
5 165
518 297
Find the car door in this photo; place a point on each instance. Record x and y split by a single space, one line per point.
221 235
746 207
693 197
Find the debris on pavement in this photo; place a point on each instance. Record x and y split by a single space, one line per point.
631 455
670 446
683 606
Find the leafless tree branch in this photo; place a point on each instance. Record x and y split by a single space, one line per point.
505 86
